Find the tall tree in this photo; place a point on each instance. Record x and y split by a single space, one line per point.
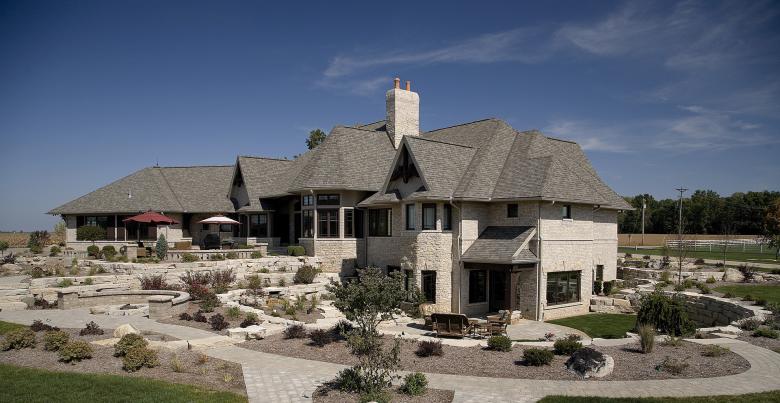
316 137
772 226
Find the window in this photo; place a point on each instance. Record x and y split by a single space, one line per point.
563 287
429 285
359 223
225 228
349 223
410 216
105 222
599 272
258 225
511 210
566 211
308 223
477 286
328 200
429 216
204 227
379 222
308 200
446 219
328 223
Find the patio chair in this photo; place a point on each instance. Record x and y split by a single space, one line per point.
496 324
450 324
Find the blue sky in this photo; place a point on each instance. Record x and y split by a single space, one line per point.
659 95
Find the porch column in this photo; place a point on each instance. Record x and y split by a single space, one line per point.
116 224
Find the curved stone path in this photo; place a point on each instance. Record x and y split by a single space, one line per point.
271 377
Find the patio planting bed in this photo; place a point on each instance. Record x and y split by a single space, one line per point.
604 325
748 398
328 394
37 385
630 364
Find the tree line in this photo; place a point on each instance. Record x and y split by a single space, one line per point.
704 212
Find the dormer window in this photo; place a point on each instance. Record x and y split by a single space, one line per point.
566 211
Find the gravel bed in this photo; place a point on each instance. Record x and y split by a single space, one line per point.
213 374
765 342
325 394
630 363
203 325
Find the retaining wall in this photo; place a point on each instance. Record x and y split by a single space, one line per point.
162 303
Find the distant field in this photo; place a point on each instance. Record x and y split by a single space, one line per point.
768 256
19 239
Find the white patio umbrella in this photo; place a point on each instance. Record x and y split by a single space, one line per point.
219 219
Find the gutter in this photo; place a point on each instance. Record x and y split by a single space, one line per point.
539 312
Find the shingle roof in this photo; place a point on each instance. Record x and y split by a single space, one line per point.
441 165
501 244
264 177
166 189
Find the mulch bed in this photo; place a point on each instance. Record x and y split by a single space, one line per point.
630 363
326 394
213 374
203 325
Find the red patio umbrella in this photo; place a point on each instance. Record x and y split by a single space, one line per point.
152 218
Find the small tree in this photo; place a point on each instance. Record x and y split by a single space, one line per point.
772 227
3 247
162 247
59 231
90 233
316 137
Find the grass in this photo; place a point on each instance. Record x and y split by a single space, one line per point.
37 385
768 256
749 398
604 325
6 327
771 293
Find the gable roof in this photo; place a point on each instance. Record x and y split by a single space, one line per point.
263 177
167 189
441 164
502 244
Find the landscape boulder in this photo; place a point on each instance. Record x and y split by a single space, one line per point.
587 362
125 329
247 333
733 275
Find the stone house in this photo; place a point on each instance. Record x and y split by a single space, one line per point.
479 216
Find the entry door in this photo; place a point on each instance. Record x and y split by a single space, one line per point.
497 291
281 228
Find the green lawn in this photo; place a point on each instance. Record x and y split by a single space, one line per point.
604 325
771 293
735 255
37 385
6 327
749 398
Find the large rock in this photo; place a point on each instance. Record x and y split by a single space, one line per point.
733 275
247 333
125 329
587 362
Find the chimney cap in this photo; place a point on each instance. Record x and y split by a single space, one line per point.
397 83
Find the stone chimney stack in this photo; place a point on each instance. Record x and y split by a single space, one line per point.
403 112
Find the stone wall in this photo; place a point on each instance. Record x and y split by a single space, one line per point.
161 303
337 255
633 273
707 310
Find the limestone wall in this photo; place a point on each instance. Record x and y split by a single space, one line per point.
707 310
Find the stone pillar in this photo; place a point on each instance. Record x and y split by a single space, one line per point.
160 306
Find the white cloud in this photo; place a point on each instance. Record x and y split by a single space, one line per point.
590 137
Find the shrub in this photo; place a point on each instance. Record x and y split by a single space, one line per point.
54 251
231 255
679 287
750 323
342 328
250 320
88 281
608 286
646 337
766 332
75 351
18 339
185 316
91 329
36 249
256 254
711 280
499 343
209 301
414 384
703 288
161 248
108 252
189 257
90 233
537 357
295 332
597 287
698 261
320 337
127 343
349 380
138 357
221 280
748 298
3 246
566 346
153 282
671 365
667 314
53 340
218 322
666 277
673 341
629 256
305 275
93 250
233 312
428 348
714 350
749 272
296 250
760 301
646 257
216 257
199 317
728 295
38 326
282 282
66 282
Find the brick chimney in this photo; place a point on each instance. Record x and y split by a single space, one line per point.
403 112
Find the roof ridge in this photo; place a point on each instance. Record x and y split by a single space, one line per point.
462 124
357 128
192 166
173 192
265 158
369 124
437 141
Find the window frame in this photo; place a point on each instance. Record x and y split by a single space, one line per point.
512 210
330 229
307 231
564 278
411 216
349 223
374 227
566 212
428 207
307 200
258 225
427 287
473 286
328 199
599 272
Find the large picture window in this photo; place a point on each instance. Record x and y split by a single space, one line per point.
328 223
258 225
410 216
379 222
104 222
477 286
307 216
429 285
563 287
429 216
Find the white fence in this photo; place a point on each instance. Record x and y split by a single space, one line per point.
715 245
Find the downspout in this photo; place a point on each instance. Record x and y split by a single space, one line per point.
539 311
457 275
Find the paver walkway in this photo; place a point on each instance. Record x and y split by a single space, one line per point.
271 377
